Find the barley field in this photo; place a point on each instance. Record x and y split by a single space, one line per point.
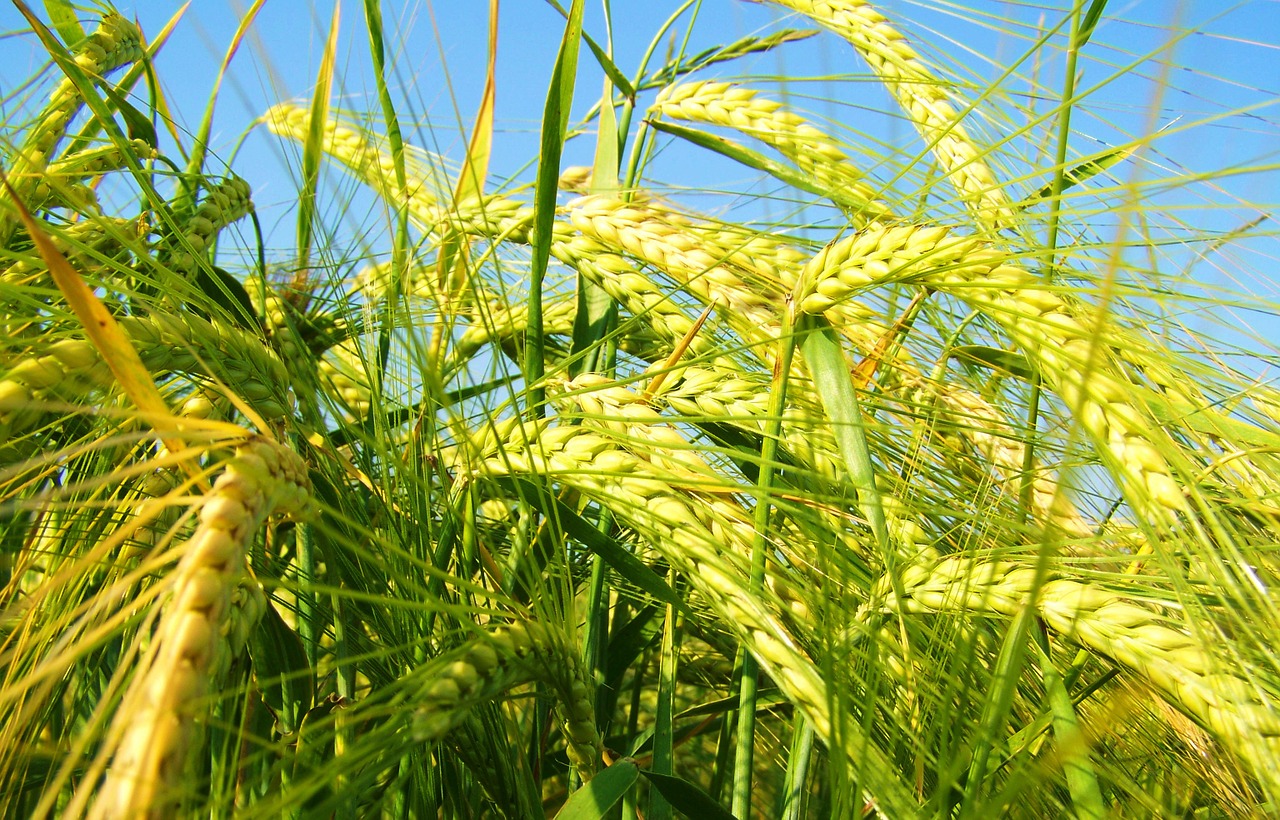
880 444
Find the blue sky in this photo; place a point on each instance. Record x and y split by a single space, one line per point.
1206 71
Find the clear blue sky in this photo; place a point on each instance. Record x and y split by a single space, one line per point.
1208 70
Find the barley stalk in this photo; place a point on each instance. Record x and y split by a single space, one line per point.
814 152
342 375
285 338
745 273
922 96
222 205
363 158
702 535
1000 449
114 43
1047 328
71 368
1226 698
506 657
159 717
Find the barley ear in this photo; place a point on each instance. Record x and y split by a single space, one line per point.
207 617
922 96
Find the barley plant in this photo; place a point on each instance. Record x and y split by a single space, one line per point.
904 461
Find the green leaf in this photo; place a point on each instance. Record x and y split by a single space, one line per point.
280 664
1084 171
228 293
1005 361
820 347
452 264
313 149
597 797
1073 746
631 568
610 69
555 124
595 306
195 165
626 643
139 124
842 197
1089 22
63 16
687 798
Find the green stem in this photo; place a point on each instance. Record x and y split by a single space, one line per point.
745 751
664 730
1026 487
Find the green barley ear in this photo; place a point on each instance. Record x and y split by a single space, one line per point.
72 369
492 665
115 43
222 205
922 96
1071 350
206 618
359 152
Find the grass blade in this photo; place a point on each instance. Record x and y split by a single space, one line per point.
313 152
595 306
753 159
594 800
611 70
821 349
200 144
1082 173
685 797
63 17
1082 779
451 273
1090 21
555 125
